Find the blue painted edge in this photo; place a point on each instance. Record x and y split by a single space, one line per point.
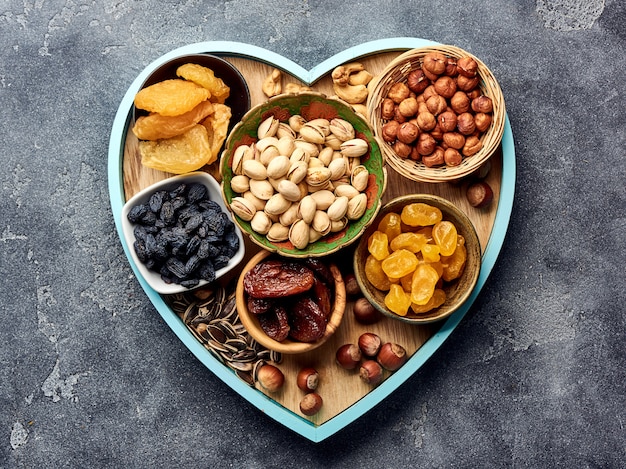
256 398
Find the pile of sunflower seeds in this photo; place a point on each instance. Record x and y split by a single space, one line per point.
211 316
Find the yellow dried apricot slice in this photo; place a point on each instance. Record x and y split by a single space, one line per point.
444 235
391 225
420 214
206 78
375 275
156 126
410 241
217 128
399 263
180 154
378 245
171 97
438 298
425 280
397 300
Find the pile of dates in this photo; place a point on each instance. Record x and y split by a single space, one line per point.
183 235
291 298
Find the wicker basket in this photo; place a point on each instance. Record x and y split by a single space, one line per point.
397 71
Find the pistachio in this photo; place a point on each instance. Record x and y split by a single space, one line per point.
337 168
333 142
323 199
240 183
354 147
338 225
316 163
254 200
268 127
298 154
318 176
278 167
342 129
268 154
313 134
296 122
285 145
346 190
338 208
263 143
238 158
278 233
261 222
289 216
243 208
284 131
309 148
322 124
356 207
307 208
261 189
275 181
254 170
289 190
297 171
321 222
359 177
299 234
314 235
277 204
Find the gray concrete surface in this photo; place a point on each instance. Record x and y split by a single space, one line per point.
90 376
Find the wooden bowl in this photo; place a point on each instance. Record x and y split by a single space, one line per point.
457 291
310 105
288 346
397 71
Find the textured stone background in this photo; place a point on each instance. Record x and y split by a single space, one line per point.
90 374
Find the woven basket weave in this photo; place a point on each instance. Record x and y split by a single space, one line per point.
397 71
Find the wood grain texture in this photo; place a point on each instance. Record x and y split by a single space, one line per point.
339 388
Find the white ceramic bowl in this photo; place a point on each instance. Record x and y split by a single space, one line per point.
154 278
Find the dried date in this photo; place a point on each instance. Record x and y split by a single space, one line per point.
275 323
307 321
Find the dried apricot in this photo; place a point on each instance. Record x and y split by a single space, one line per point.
217 129
438 298
206 78
444 235
425 279
375 275
397 300
181 154
399 263
378 245
391 225
420 214
155 126
171 97
410 241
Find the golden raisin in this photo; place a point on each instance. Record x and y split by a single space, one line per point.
454 265
425 279
430 253
410 241
438 298
444 235
420 214
399 263
397 300
206 78
391 225
375 275
377 245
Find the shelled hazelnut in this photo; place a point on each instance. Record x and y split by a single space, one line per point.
311 404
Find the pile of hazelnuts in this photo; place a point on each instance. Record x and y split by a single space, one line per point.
439 114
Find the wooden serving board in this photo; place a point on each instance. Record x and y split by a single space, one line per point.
344 394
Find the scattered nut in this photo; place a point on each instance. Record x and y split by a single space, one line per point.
391 356
479 194
348 356
270 378
369 343
371 372
308 379
272 83
365 313
311 404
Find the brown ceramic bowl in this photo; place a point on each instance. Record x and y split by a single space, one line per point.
288 346
457 291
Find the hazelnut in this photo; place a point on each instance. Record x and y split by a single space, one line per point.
482 121
415 155
390 131
451 67
454 140
447 121
429 92
402 149
471 146
369 343
430 75
387 108
371 372
459 102
464 83
425 144
452 157
364 312
482 104
416 81
475 93
391 356
308 379
397 115
398 92
434 62
270 378
352 286
421 105
348 356
311 404
426 121
465 123
437 133
408 107
445 86
479 194
408 132
436 158
467 67
436 104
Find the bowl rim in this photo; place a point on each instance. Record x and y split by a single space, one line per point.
472 243
374 204
153 279
288 346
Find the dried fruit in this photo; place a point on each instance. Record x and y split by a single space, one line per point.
275 279
157 126
181 154
399 263
171 97
420 214
397 300
206 78
445 236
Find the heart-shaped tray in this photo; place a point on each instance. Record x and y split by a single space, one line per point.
346 398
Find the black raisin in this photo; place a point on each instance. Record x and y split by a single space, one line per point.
156 200
176 267
193 222
193 245
178 191
136 213
196 192
168 214
207 271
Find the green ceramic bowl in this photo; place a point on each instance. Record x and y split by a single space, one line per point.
310 105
